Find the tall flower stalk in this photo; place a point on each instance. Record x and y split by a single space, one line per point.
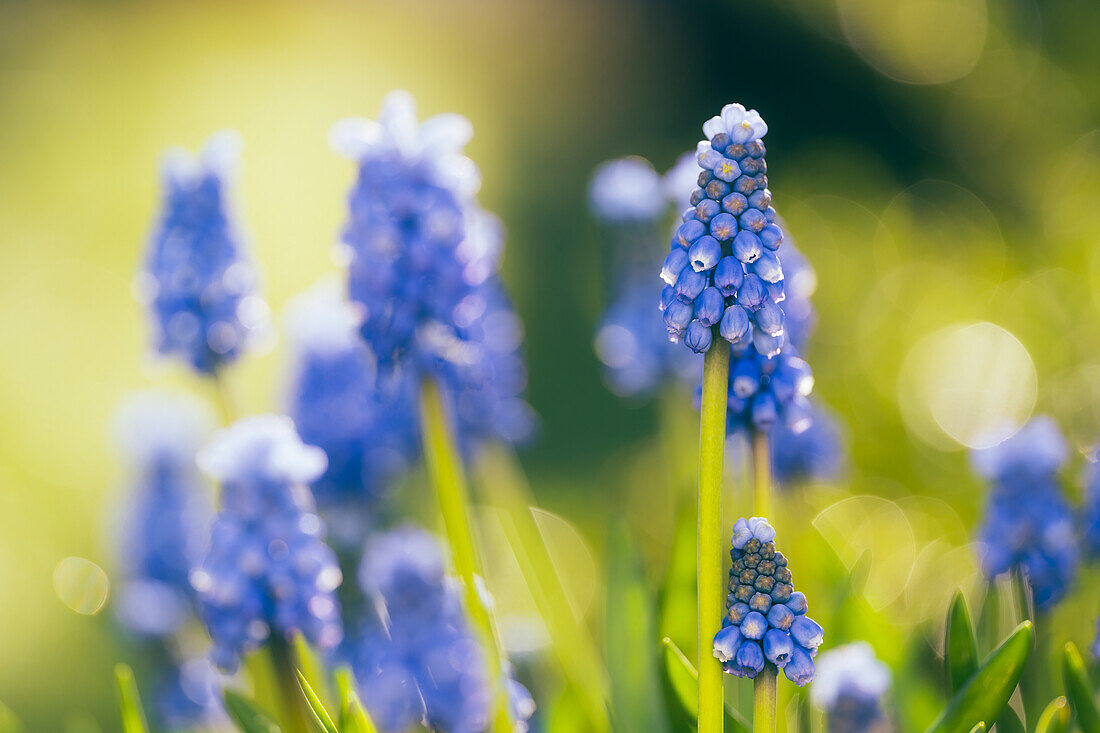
763 686
712 443
423 262
724 284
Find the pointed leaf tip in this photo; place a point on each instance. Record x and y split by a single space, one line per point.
246 715
961 644
1079 689
986 693
1055 718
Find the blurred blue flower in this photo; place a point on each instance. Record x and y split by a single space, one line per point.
626 190
1090 512
850 685
423 267
267 570
814 454
634 347
765 617
1028 524
366 424
722 269
768 392
425 662
190 697
166 512
196 281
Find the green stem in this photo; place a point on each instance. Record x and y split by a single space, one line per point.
1030 682
763 687
449 481
712 443
761 475
287 690
763 700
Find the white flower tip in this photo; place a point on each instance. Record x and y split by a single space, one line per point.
354 136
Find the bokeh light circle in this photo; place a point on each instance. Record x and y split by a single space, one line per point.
917 41
972 385
81 585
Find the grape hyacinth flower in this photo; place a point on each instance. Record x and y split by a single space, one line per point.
423 267
365 424
1028 525
850 685
196 281
190 697
426 663
626 190
766 618
267 570
626 196
722 269
166 514
765 392
1091 510
814 454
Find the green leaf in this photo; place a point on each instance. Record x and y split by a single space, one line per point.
502 480
353 716
129 701
679 617
986 693
8 722
685 681
246 715
310 665
989 620
961 645
628 636
1055 718
320 715
1079 690
979 727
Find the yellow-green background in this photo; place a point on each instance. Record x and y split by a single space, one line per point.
936 160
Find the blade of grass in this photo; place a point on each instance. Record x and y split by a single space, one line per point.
1055 718
986 693
1079 689
960 644
246 715
133 717
320 715
573 647
447 476
686 685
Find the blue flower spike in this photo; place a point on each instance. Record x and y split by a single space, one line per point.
423 268
850 687
1028 523
196 281
765 619
426 663
729 237
267 569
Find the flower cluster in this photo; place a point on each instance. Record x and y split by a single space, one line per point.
1028 524
850 685
424 664
1091 511
365 424
626 190
423 267
267 570
766 617
722 269
815 453
195 281
627 197
765 391
166 515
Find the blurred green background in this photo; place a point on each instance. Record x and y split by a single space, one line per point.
936 160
